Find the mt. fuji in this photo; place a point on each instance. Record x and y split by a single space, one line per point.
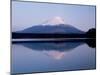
55 25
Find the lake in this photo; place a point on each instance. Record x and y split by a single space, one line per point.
32 57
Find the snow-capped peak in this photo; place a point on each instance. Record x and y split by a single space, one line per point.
54 21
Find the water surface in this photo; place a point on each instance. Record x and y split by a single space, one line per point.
51 56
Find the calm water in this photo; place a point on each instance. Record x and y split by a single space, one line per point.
43 57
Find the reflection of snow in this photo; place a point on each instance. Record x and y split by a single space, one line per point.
55 54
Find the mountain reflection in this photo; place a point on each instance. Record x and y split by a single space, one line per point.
53 50
56 50
64 46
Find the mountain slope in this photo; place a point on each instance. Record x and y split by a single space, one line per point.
68 29
55 25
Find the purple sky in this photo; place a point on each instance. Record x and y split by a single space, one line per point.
27 14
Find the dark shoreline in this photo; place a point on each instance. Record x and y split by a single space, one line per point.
54 36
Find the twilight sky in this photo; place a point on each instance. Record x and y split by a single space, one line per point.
27 14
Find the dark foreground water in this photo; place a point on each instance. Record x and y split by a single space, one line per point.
33 57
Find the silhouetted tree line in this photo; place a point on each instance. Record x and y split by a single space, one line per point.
91 33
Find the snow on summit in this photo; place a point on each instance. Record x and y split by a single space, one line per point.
54 21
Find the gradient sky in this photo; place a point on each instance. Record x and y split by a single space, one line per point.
27 14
